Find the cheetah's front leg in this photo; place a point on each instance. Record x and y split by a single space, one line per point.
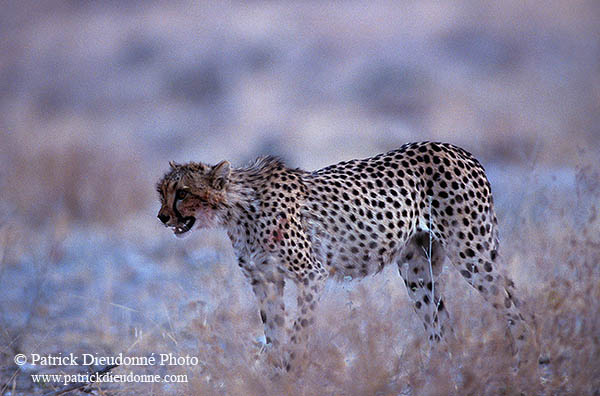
308 293
286 342
268 286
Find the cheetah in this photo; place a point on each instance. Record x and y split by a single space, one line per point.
413 207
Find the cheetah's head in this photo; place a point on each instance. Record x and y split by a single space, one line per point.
193 194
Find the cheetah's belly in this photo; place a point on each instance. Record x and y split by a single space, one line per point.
344 254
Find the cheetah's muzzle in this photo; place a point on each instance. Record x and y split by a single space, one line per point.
185 225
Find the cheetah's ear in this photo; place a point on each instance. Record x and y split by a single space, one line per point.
173 164
219 175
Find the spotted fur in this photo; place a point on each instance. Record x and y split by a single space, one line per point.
409 207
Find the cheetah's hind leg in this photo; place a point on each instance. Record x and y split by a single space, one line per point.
481 267
418 261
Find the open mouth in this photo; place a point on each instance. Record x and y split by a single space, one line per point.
185 225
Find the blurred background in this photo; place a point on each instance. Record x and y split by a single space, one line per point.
97 96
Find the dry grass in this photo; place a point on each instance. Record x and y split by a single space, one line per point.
67 174
161 295
156 294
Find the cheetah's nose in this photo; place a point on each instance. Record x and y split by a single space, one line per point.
163 217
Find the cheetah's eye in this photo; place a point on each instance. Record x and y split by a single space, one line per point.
180 194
